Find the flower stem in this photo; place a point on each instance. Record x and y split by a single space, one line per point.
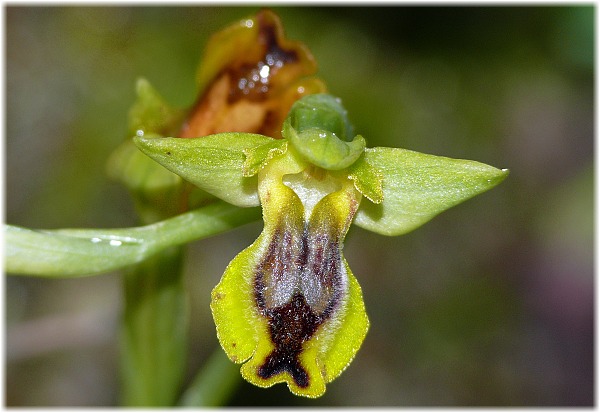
70 253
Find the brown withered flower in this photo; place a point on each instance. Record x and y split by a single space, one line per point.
250 77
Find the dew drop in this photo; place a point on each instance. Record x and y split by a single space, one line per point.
264 71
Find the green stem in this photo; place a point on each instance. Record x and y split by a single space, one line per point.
80 252
154 331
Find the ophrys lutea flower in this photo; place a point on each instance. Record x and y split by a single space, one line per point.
288 306
261 132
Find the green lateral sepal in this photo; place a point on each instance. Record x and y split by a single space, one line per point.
214 163
417 187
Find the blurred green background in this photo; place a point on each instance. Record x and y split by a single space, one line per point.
489 304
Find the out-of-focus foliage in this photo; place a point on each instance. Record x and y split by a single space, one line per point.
491 303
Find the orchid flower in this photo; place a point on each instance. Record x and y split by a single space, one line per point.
263 132
289 306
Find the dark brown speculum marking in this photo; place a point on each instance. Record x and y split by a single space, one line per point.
315 257
290 326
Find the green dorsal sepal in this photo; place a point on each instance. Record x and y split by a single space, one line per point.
318 128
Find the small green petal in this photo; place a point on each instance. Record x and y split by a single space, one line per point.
367 180
257 157
214 163
417 187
